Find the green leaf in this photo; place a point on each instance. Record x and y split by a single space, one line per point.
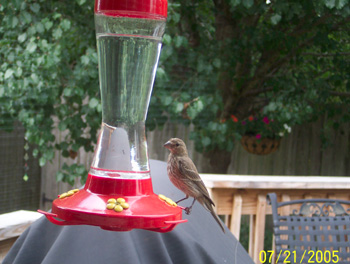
330 3
235 2
26 17
81 2
192 112
25 177
176 17
178 41
11 57
179 107
63 146
42 161
212 126
93 102
22 37
65 167
217 62
62 126
34 77
272 106
71 179
248 3
35 152
57 33
75 147
65 153
167 52
65 24
44 44
99 108
39 27
206 141
167 100
341 3
85 60
18 72
31 31
31 47
8 73
35 7
275 19
198 105
67 91
59 176
49 154
48 25
80 169
14 22
56 15
166 39
23 5
160 72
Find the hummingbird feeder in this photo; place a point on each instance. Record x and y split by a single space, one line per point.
118 194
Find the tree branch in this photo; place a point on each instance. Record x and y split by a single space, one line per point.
325 54
257 91
344 94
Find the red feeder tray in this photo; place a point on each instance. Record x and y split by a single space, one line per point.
88 206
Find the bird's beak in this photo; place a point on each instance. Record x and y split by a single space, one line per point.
167 145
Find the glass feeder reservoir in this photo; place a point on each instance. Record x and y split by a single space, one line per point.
118 193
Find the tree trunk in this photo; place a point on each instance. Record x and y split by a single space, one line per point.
218 161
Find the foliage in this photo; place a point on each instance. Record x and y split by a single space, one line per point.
287 60
49 77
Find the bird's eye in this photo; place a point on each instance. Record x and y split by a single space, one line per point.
177 144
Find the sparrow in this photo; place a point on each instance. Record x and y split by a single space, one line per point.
184 175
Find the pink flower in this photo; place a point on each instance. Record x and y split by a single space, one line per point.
244 123
266 120
258 136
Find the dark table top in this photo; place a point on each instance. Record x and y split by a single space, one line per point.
200 240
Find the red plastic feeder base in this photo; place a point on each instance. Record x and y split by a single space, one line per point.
88 206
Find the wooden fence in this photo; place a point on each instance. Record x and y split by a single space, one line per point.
301 153
16 191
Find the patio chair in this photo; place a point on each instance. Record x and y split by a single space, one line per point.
314 231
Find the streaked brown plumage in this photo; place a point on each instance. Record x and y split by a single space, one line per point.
184 175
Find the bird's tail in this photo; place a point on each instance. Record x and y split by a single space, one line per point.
208 204
217 219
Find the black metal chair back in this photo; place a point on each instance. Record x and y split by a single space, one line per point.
317 232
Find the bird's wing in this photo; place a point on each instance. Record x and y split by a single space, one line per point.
189 170
187 167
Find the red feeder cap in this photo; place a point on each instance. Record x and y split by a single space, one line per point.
132 8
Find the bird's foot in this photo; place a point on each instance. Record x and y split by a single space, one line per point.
182 199
188 210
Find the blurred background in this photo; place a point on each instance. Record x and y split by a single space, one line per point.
252 87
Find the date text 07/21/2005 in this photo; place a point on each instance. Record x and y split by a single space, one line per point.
292 257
